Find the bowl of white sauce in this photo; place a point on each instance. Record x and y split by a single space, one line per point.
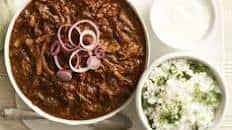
182 24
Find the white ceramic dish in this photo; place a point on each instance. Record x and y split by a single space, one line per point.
37 109
221 110
181 19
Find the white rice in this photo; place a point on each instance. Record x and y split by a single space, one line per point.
178 97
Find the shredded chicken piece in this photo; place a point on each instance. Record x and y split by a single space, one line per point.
57 10
17 43
39 69
112 66
104 88
124 18
110 46
82 97
116 69
44 62
32 21
122 78
26 68
109 10
46 13
29 42
122 36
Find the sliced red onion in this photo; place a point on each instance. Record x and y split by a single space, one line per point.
64 75
76 68
99 52
55 48
89 22
62 43
92 45
93 63
78 59
70 34
57 62
59 31
69 46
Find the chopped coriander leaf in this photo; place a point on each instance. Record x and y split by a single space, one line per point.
171 113
150 122
161 80
173 69
198 68
211 98
152 78
183 75
144 89
145 104
195 127
158 94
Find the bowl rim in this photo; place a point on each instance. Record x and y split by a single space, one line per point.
48 116
188 55
192 44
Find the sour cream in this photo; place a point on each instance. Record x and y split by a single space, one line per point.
181 22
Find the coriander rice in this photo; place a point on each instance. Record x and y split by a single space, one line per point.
180 94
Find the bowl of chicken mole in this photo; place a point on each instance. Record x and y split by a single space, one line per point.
76 61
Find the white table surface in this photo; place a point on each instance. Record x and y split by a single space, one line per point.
7 96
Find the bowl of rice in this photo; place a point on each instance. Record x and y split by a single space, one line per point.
180 91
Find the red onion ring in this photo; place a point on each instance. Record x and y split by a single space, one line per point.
70 34
55 48
77 68
63 45
89 22
78 61
93 63
99 52
92 45
57 62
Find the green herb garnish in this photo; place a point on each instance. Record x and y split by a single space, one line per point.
171 113
161 80
173 69
183 76
198 68
211 98
145 103
195 127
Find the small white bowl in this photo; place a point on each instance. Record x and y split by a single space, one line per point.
221 110
180 18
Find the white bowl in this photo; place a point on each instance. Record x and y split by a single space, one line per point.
40 111
221 110
161 17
